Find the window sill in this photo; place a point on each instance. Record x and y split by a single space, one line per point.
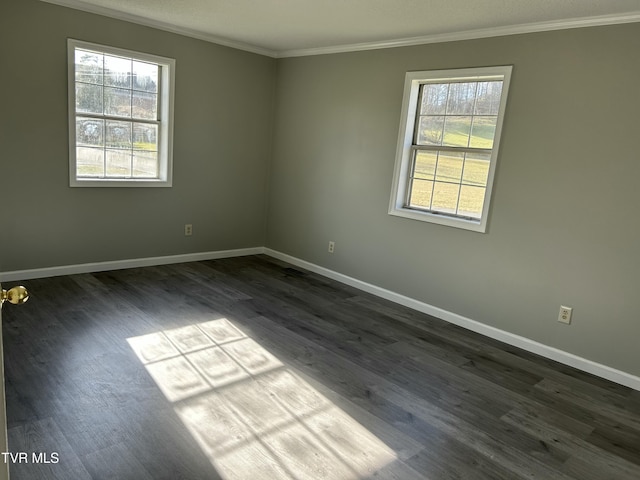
118 182
463 223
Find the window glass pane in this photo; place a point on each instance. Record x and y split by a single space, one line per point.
483 131
145 136
88 98
89 162
88 67
456 131
89 131
445 197
145 105
434 99
145 76
118 163
471 201
421 193
488 98
117 101
145 164
430 130
118 134
449 167
461 98
446 170
425 165
117 71
476 169
116 111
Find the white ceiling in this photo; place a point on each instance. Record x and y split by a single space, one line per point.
302 27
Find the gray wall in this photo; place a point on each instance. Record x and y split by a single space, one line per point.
563 229
224 107
564 226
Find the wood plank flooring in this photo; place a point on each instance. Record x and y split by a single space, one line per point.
249 368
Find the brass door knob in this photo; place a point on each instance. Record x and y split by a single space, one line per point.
15 295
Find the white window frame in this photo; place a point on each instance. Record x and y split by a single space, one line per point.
401 183
165 118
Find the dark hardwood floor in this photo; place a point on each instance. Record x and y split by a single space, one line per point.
248 368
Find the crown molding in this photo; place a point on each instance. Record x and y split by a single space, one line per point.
582 22
167 27
614 19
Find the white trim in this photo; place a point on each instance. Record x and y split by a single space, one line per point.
404 158
167 27
527 344
166 93
122 264
581 22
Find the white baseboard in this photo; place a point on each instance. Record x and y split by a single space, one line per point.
552 353
122 264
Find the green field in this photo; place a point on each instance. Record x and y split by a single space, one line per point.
457 131
452 182
90 162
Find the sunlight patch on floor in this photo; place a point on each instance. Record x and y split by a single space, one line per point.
251 415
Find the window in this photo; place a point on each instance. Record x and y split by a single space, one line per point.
448 145
120 117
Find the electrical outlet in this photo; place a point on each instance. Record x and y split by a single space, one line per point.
188 230
565 314
332 247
